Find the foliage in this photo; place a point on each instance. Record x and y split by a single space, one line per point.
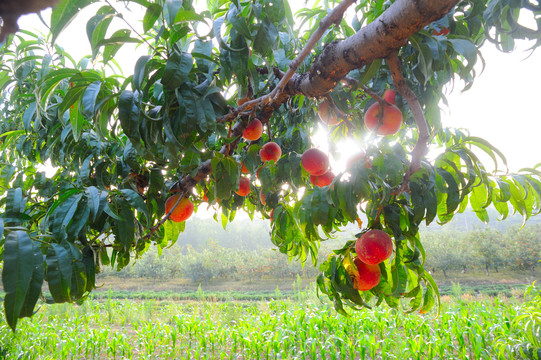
121 145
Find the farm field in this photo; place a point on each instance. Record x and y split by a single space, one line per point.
300 327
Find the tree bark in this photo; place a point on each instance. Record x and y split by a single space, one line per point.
377 40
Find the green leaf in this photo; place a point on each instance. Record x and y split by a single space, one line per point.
139 72
172 7
94 198
151 15
188 15
64 213
238 21
89 99
225 173
370 71
78 276
115 42
177 69
34 290
265 40
129 115
77 121
137 202
17 273
64 12
125 227
28 114
96 27
59 272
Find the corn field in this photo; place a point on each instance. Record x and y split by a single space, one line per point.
300 328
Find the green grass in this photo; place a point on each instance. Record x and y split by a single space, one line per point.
298 328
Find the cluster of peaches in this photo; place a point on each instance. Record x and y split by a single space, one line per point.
384 118
372 247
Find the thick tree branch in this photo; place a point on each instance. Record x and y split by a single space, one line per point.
377 40
421 147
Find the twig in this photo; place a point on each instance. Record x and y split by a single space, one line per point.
135 31
375 96
421 147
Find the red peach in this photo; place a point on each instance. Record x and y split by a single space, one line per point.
374 246
315 162
270 152
322 180
390 122
182 211
253 131
369 276
244 187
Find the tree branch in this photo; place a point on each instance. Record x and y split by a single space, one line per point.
421 147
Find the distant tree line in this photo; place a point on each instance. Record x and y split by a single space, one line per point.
215 262
488 249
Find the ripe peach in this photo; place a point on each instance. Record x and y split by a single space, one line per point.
322 180
390 96
253 131
369 276
315 162
272 215
326 114
270 152
391 119
183 210
244 187
373 247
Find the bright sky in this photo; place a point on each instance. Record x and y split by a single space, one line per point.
503 106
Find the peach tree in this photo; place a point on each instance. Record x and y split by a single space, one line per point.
120 146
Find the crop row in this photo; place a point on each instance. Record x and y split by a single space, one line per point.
282 329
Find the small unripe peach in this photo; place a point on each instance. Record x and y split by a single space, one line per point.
244 169
390 96
326 114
